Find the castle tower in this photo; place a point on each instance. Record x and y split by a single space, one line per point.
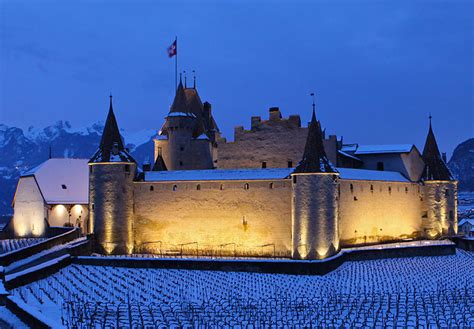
188 137
315 231
111 173
439 217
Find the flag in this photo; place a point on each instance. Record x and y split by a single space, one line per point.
173 49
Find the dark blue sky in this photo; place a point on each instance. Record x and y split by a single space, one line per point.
378 67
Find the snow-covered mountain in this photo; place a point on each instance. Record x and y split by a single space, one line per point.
21 149
462 164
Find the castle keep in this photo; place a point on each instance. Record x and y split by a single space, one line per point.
280 189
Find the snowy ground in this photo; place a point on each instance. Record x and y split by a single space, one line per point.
14 244
466 205
420 291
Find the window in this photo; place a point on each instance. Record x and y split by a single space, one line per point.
380 166
175 187
198 187
390 189
93 207
264 164
294 179
406 189
424 214
352 188
290 164
127 168
152 188
64 187
246 186
271 185
222 187
181 163
372 188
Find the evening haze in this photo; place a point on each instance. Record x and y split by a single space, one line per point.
378 68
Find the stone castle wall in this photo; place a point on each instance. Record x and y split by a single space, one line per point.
221 217
278 142
374 211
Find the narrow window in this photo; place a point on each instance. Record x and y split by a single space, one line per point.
294 179
290 164
271 185
372 188
152 188
390 189
406 189
64 186
127 168
181 163
352 188
175 187
264 164
246 186
93 206
380 166
222 187
198 187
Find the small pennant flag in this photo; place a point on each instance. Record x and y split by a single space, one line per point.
173 49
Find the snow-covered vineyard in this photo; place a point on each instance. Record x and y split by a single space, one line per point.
14 244
420 291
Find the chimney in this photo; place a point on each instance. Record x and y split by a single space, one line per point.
295 120
146 166
207 109
255 122
275 114
443 156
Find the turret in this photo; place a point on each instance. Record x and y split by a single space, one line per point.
315 183
439 192
111 174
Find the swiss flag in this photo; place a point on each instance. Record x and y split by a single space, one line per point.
173 49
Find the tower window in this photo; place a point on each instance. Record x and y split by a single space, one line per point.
380 166
181 163
271 185
246 186
264 164
290 164
175 187
352 188
406 189
222 187
372 188
294 179
198 187
127 168
152 188
390 189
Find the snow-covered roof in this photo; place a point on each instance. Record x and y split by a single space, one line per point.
466 220
202 136
377 149
348 155
217 174
377 175
259 174
181 114
62 180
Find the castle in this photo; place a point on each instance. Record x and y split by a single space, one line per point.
278 190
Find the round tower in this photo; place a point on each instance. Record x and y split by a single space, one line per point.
315 186
439 192
111 174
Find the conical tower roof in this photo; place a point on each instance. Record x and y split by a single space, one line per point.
111 148
179 102
314 157
159 164
435 167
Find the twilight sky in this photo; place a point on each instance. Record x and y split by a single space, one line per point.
377 67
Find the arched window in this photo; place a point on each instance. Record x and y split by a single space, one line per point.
198 187
152 188
271 185
222 187
246 186
175 187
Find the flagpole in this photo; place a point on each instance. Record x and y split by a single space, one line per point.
176 66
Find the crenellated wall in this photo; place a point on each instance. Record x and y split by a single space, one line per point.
217 217
376 211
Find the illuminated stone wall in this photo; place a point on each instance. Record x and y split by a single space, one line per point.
219 217
276 141
185 154
373 211
111 207
439 208
315 216
29 209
